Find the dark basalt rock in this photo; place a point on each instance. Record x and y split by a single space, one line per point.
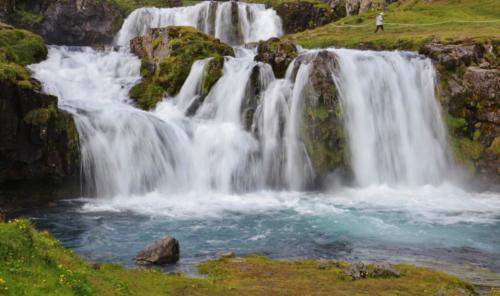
165 250
279 54
66 22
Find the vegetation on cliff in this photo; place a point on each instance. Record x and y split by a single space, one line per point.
127 6
34 263
167 56
408 25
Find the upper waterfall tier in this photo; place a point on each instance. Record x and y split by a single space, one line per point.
232 22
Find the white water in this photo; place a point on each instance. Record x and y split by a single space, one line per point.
392 117
254 21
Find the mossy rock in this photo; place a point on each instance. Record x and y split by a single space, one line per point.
279 54
20 46
168 54
211 74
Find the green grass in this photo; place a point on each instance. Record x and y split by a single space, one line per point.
127 6
409 25
34 263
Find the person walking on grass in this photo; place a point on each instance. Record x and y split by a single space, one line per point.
380 22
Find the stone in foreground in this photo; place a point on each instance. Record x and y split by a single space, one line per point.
385 269
356 270
165 250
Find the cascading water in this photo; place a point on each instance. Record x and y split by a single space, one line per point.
392 117
209 174
231 22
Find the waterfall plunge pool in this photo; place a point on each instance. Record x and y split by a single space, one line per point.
444 225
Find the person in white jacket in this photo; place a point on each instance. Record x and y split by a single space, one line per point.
380 22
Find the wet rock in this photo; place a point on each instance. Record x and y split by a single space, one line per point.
322 128
165 250
279 54
38 141
302 15
69 22
469 96
357 271
385 269
7 7
167 56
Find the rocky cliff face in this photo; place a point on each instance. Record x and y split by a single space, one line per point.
65 22
167 56
469 75
302 15
38 141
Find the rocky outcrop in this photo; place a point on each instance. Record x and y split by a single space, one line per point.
38 141
165 250
469 75
279 54
167 56
65 22
299 16
322 129
353 7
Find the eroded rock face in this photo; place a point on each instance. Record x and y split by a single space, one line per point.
165 250
279 54
354 7
167 56
68 22
322 124
302 15
469 75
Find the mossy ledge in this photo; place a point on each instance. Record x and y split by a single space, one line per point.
167 56
34 263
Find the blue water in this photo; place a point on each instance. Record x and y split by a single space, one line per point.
432 224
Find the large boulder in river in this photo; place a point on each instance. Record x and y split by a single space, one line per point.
469 84
38 142
279 54
66 22
322 128
167 56
165 250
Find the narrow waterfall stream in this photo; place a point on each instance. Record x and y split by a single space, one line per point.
221 180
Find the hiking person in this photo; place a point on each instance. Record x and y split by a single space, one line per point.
380 22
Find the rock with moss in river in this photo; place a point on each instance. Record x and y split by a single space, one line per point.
167 56
39 142
322 129
469 83
279 54
65 22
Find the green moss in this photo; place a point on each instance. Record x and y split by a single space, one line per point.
147 94
40 116
15 74
495 146
211 74
455 122
27 17
20 46
185 46
127 6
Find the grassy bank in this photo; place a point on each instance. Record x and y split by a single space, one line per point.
34 263
410 24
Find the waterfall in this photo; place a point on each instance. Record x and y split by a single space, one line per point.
231 22
393 119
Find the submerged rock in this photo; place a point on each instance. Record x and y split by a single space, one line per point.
279 54
167 56
385 269
165 250
68 22
357 271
